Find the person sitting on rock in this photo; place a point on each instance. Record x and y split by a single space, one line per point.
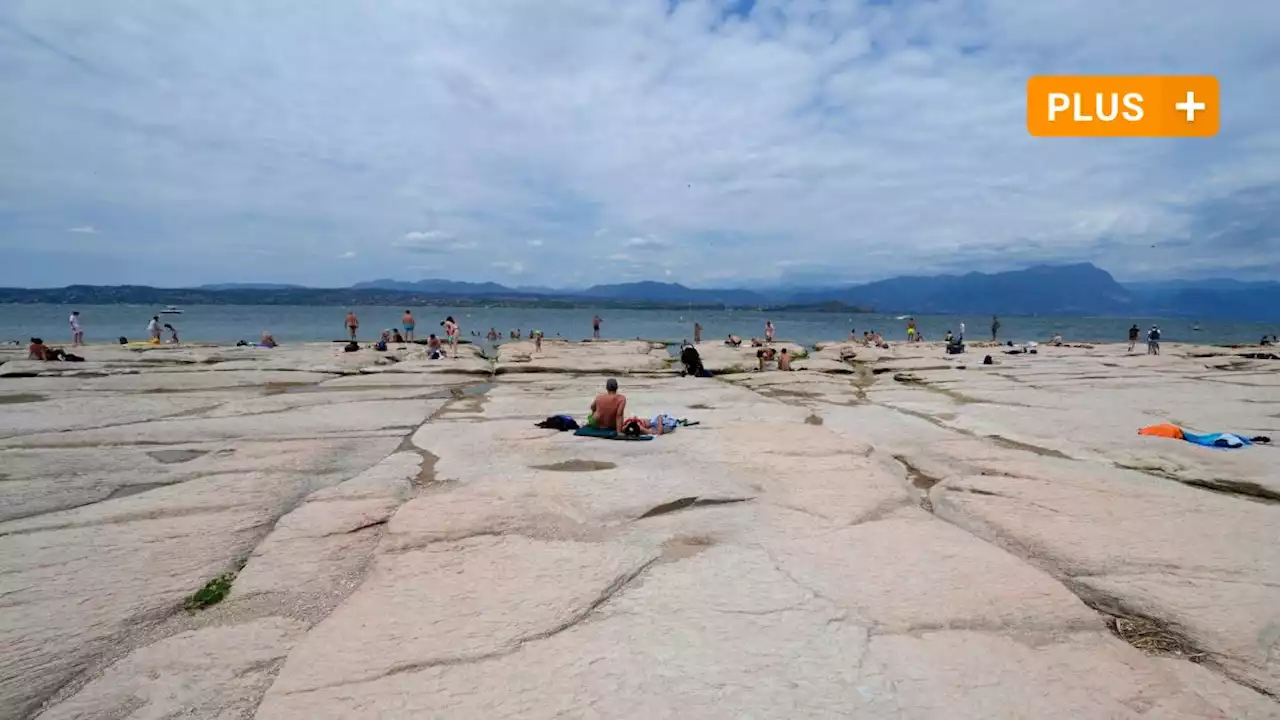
37 350
434 351
609 408
765 355
784 360
396 337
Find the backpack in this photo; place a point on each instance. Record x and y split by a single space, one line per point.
558 422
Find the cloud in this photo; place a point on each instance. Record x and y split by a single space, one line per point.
85 229
534 243
348 255
431 241
863 138
647 242
513 267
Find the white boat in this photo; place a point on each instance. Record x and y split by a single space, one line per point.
170 310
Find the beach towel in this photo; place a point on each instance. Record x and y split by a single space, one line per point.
1226 441
606 434
1218 440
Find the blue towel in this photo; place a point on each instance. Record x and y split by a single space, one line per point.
1228 441
606 434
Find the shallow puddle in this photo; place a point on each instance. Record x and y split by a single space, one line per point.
127 490
684 546
20 398
170 457
576 465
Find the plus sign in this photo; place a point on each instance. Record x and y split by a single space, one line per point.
1190 106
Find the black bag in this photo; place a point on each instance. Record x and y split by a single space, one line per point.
558 422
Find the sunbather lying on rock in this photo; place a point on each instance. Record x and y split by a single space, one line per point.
658 425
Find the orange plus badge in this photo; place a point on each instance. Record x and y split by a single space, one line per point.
1122 106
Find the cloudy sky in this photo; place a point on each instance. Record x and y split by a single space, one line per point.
563 142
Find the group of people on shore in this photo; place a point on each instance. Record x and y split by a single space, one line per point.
452 333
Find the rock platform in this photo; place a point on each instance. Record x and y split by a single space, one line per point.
882 533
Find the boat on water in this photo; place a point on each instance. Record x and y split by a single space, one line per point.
171 310
1196 327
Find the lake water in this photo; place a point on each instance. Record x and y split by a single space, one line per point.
229 323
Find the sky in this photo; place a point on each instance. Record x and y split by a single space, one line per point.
569 142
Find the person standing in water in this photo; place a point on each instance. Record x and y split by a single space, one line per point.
697 333
961 331
995 327
595 327
409 324
911 329
352 324
1133 336
153 329
77 332
768 331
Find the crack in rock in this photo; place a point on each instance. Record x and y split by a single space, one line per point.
612 590
688 502
1237 488
368 525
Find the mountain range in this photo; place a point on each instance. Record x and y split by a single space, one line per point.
1080 289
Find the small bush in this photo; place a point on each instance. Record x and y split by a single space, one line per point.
211 594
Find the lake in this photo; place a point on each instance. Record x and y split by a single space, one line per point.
289 323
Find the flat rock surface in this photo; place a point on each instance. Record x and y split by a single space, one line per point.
881 533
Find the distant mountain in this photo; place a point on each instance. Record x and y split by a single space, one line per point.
249 286
1042 290
442 288
673 293
1258 304
1214 297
